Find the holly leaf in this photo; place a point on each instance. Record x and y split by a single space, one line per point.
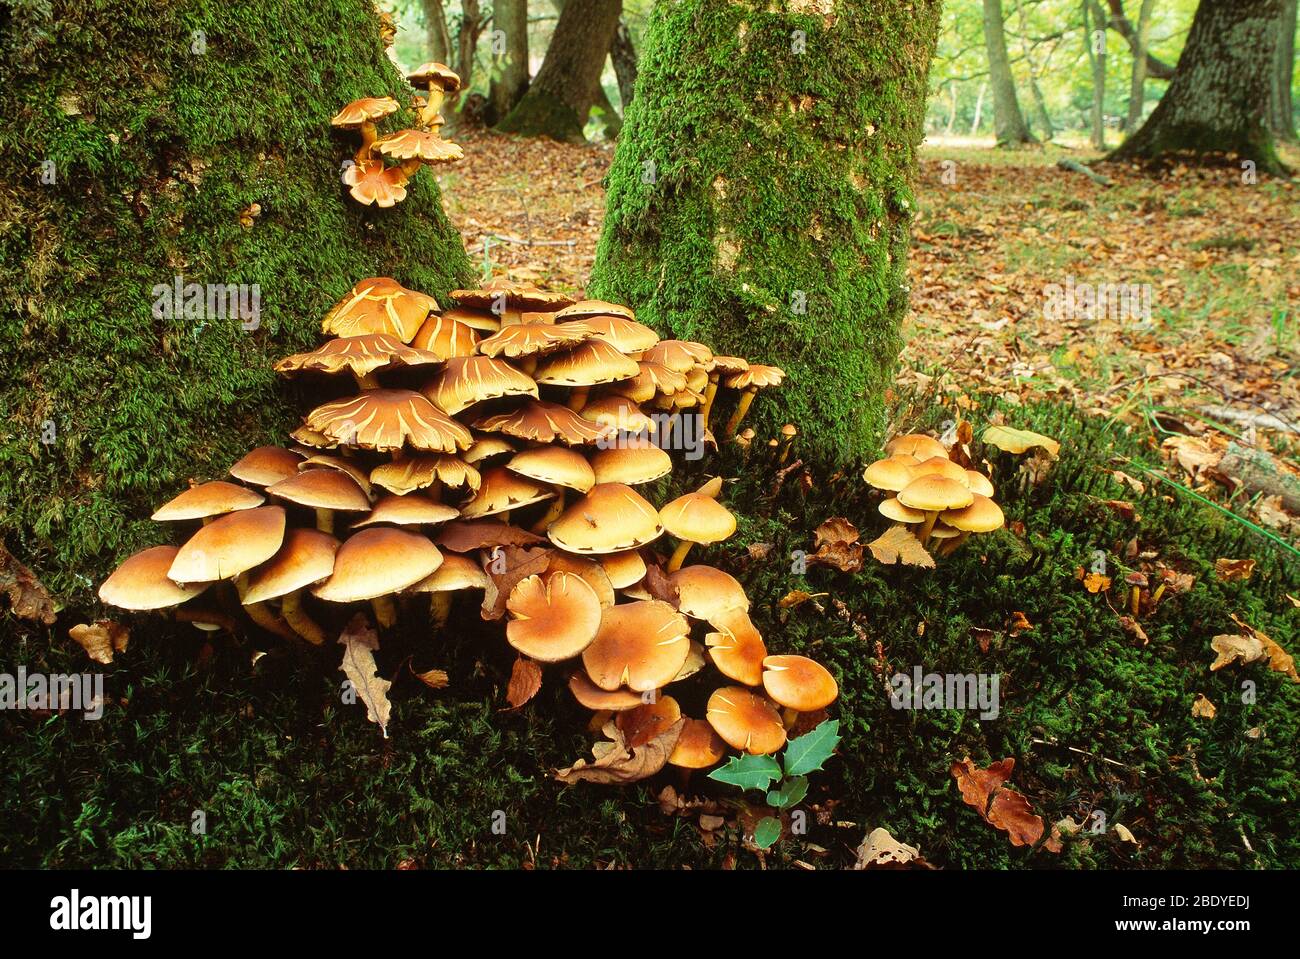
767 832
807 753
896 544
748 772
359 642
790 793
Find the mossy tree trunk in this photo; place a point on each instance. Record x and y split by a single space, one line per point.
564 89
1218 100
135 136
761 195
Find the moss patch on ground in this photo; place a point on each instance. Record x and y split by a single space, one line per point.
287 776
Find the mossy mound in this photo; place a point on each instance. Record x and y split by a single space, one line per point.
1096 721
136 136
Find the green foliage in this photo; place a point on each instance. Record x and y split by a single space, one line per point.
156 149
748 771
806 753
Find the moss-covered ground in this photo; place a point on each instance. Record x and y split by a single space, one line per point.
288 776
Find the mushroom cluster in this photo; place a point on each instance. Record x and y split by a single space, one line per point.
932 496
502 445
372 181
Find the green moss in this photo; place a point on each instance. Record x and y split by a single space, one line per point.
543 115
760 197
156 150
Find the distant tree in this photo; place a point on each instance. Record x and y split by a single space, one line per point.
509 80
1094 39
435 28
1281 108
1137 94
1008 122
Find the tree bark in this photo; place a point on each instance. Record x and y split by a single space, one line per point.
623 56
1137 94
1120 23
1094 29
764 208
471 25
1041 117
979 108
510 78
437 37
1218 100
565 87
1008 122
174 120
1281 107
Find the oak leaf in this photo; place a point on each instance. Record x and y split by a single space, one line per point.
359 641
896 544
999 805
1202 708
101 640
508 566
616 763
836 544
880 850
28 598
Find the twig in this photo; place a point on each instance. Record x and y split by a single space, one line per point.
1074 166
1081 752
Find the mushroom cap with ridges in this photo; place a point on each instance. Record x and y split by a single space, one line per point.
916 444
631 462
647 721
587 308
435 72
555 465
745 720
590 571
520 295
410 509
305 558
587 364
981 516
698 747
543 422
757 376
552 619
893 509
623 333
697 518
891 473
729 364
623 569
485 321
640 645
591 696
707 593
406 474
374 183
934 493
266 465
358 355
230 545
800 683
365 110
737 648
610 518
377 562
503 490
323 489
141 582
446 337
379 304
466 380
208 499
531 339
455 573
423 145
388 420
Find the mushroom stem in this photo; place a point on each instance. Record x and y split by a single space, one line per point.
746 398
578 398
410 167
368 135
951 546
433 106
710 394
528 365
439 609
297 618
385 611
789 717
264 616
366 381
786 443
325 521
923 534
1135 599
679 555
550 516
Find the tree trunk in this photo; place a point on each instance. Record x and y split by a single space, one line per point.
437 37
1281 108
1137 94
1094 30
172 121
1008 122
471 25
1217 102
1041 117
510 55
1156 69
979 108
764 209
623 56
565 87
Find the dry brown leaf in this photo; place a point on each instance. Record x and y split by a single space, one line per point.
658 585
999 805
896 544
359 642
507 567
1192 453
27 597
836 544
1232 570
1135 485
618 764
433 678
880 850
1020 623
101 640
1279 660
1235 649
1203 708
525 681
1134 629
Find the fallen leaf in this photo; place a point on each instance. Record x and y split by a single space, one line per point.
618 764
1020 624
1235 649
433 678
659 586
1135 485
897 544
1279 660
101 640
880 850
1095 582
1122 831
1011 440
1192 453
359 641
1134 629
1203 708
836 544
28 598
507 567
1000 806
525 681
1232 570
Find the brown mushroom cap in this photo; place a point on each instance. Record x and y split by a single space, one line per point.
377 562
502 490
406 474
484 321
798 682
365 110
588 308
455 573
387 420
916 444
757 376
423 145
555 465
323 489
730 364
698 747
326 461
941 466
516 296
891 473
933 493
466 380
306 557
229 545
979 483
485 447
622 333
543 422
208 499
641 645
623 569
436 73
981 516
707 593
745 720
631 462
610 518
893 509
587 569
410 509
531 339
737 648
680 356
587 364
552 619
592 696
620 413
697 518
643 723
141 582
379 305
446 337
358 355
266 466
374 183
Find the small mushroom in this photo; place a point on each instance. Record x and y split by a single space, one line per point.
374 564
981 516
933 494
745 720
695 518
749 382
